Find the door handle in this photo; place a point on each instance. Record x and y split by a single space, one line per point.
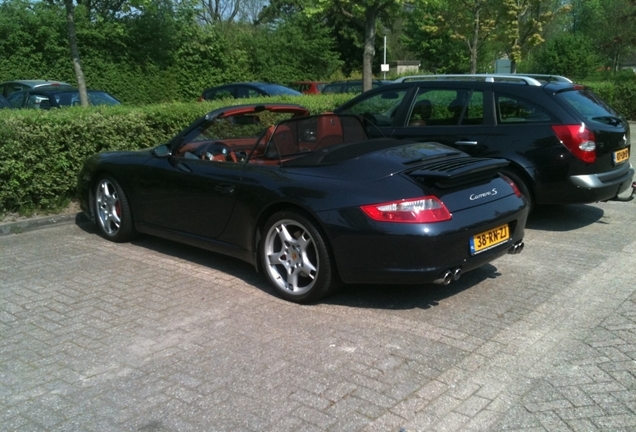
183 167
225 188
470 143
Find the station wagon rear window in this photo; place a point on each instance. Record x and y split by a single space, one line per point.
590 106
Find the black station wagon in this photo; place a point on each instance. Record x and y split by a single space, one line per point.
565 144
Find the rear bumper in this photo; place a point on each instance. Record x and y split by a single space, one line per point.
604 180
588 188
374 253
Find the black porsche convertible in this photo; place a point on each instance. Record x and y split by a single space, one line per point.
312 201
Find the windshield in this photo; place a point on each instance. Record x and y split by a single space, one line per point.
275 90
94 97
311 134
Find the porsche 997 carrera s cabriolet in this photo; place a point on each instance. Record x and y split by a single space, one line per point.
312 201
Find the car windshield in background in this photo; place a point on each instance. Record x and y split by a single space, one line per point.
95 98
276 90
590 106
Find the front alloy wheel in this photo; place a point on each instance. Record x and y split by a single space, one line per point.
112 209
296 259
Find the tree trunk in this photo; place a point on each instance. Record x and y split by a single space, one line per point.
369 49
474 44
72 39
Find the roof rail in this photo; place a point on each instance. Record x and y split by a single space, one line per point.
532 79
549 78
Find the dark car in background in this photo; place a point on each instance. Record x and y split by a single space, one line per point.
564 143
47 97
350 86
8 87
310 201
246 90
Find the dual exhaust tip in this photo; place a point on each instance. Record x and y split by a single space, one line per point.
449 276
452 275
516 248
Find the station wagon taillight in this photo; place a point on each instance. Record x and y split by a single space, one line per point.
578 139
415 210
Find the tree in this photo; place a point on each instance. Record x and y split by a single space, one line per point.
472 22
365 13
75 58
616 40
227 11
571 55
523 23
437 50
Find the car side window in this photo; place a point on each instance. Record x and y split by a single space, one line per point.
38 101
354 88
333 88
474 114
446 107
513 110
246 92
220 94
16 99
380 108
8 88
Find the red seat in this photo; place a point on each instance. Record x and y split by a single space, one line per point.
328 131
285 141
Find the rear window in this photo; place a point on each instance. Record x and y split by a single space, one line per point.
589 105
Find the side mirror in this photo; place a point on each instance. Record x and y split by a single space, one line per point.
162 151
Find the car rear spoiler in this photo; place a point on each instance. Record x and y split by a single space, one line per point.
454 172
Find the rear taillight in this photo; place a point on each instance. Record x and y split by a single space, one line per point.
416 210
512 184
578 139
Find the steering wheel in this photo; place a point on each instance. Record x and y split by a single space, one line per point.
218 152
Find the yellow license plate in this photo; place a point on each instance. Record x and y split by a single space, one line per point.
488 239
621 155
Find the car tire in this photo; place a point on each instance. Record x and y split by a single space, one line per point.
296 259
112 211
522 185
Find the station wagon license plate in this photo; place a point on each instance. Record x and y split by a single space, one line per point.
488 239
621 155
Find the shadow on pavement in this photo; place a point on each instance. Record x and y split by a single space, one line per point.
564 217
403 297
390 297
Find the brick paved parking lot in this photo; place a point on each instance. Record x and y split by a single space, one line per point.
155 336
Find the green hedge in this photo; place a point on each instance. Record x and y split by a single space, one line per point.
41 152
620 95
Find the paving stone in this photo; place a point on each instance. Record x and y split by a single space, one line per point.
156 336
